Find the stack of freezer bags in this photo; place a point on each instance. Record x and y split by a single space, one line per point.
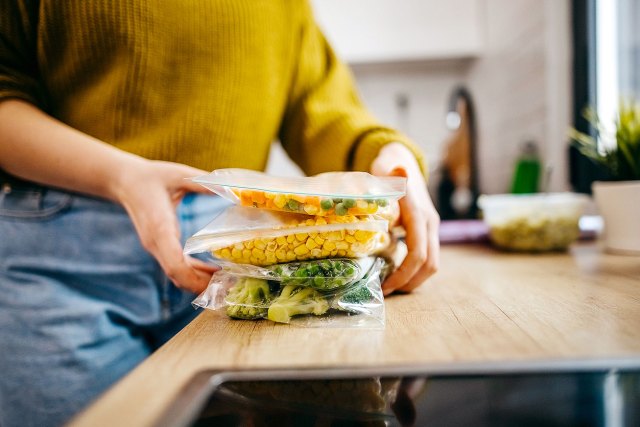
292 247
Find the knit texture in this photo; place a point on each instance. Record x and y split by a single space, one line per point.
205 83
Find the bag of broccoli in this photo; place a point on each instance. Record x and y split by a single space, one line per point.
327 194
357 304
260 237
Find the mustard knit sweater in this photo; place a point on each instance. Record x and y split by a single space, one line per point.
208 83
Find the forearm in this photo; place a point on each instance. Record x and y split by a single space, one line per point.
36 147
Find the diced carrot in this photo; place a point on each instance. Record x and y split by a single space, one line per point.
313 200
258 197
245 198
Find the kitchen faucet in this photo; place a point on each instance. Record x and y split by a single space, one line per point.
458 187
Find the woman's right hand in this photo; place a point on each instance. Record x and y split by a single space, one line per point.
150 192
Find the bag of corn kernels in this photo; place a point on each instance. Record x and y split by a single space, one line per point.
262 237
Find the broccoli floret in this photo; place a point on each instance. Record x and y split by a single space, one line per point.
356 297
295 300
360 294
249 299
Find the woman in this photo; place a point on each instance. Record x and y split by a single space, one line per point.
105 108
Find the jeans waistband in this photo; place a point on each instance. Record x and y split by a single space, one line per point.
8 181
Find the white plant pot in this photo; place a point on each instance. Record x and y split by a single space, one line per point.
619 204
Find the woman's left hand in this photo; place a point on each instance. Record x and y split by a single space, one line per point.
418 216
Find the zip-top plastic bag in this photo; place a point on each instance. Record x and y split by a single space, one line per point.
325 275
331 193
359 304
262 237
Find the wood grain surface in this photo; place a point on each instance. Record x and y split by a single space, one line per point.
482 306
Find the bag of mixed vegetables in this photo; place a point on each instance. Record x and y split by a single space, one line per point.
327 194
324 293
262 237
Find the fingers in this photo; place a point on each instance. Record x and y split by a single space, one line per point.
415 226
423 244
201 265
183 175
160 236
430 267
185 272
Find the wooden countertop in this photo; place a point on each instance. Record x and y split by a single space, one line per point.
482 305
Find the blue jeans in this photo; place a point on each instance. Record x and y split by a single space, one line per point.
81 302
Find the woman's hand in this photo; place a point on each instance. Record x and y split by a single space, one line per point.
39 148
150 192
418 216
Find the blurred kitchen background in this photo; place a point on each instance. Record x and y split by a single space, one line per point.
490 80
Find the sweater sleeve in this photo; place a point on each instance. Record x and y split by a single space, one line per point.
326 127
18 51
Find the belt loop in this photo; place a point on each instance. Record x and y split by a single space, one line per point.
6 189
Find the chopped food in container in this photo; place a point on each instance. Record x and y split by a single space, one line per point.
328 194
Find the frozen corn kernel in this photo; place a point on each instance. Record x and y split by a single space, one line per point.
342 245
363 236
280 201
329 245
301 250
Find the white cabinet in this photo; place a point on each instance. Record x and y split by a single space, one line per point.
367 31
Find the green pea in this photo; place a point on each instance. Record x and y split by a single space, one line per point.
336 201
341 209
382 202
293 204
326 204
318 281
349 203
326 265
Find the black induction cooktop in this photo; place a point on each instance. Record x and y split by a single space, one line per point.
509 394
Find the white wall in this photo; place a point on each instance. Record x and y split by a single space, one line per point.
520 83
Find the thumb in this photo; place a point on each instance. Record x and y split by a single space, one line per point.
184 175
